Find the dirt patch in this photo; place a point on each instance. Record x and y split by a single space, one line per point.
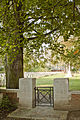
4 114
74 115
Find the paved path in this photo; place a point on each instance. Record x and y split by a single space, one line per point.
38 113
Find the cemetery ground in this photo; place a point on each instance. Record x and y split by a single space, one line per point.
6 108
74 84
4 113
74 81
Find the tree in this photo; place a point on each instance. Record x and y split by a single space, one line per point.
30 24
71 51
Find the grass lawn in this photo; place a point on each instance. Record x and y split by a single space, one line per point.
74 82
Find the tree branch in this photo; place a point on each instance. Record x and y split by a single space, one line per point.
51 31
41 17
34 21
57 3
32 38
74 10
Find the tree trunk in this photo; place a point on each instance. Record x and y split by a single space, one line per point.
14 63
14 70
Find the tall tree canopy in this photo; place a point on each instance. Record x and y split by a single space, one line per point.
29 24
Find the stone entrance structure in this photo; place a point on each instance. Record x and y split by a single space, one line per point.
64 99
31 96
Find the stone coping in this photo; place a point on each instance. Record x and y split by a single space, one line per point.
8 90
74 92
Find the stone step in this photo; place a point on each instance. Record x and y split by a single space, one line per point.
34 119
38 113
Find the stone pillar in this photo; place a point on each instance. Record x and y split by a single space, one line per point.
26 92
61 94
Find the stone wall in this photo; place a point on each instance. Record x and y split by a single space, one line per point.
38 74
26 75
12 95
24 96
75 100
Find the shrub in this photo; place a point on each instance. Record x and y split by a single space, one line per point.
7 105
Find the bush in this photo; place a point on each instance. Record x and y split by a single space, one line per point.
7 105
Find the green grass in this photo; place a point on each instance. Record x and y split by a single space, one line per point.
74 82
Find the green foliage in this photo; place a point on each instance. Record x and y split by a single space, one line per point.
71 57
6 104
37 68
1 68
30 23
41 21
74 70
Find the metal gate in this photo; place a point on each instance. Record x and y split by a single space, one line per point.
44 96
